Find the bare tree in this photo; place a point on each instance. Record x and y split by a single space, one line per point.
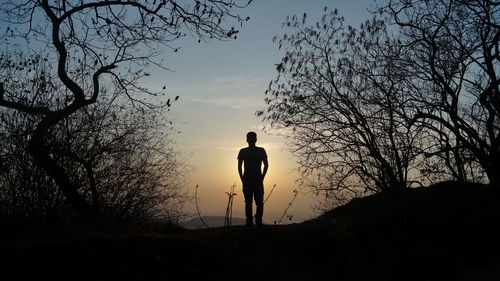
89 43
120 159
453 57
338 92
24 190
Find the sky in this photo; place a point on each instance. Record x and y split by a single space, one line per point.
221 85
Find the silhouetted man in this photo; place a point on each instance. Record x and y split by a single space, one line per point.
251 159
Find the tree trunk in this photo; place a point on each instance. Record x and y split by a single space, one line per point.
40 153
92 185
493 171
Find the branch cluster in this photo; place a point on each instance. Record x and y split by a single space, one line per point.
411 97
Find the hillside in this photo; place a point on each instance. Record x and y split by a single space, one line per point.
211 221
444 232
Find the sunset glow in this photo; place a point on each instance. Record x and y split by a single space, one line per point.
221 86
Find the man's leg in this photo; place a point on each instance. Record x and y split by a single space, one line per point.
247 192
259 202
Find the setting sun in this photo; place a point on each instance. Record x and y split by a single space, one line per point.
216 171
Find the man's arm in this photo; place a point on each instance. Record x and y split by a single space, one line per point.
240 168
266 165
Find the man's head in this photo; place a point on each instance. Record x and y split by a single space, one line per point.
251 138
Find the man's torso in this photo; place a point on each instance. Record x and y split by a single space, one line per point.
252 161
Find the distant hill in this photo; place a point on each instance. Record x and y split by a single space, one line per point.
212 221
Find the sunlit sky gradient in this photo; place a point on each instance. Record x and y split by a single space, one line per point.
221 85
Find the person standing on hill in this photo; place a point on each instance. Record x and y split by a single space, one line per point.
250 160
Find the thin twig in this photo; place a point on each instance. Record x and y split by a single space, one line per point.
229 208
269 193
295 193
197 209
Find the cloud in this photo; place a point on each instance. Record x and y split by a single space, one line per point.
236 92
210 144
275 146
274 131
240 81
227 145
235 102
